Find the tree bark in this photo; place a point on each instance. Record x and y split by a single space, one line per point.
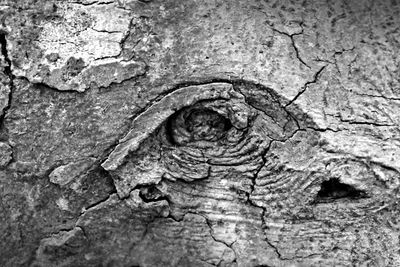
199 133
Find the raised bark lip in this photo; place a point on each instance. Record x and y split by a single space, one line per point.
148 121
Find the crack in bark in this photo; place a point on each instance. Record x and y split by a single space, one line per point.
145 232
293 43
11 77
93 3
262 111
7 72
122 45
49 87
105 31
338 53
264 210
379 96
324 129
304 88
335 60
97 203
291 37
219 240
289 114
83 212
368 123
371 123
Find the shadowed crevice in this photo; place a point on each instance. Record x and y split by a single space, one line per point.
8 73
333 189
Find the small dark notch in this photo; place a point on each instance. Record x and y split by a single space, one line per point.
8 72
4 52
169 129
333 189
150 193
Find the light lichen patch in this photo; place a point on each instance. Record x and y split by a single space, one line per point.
82 47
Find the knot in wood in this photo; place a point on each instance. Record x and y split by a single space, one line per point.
197 124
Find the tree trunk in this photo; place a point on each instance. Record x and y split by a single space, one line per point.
199 133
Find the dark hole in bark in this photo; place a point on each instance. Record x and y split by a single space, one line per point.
333 189
200 124
206 124
169 129
150 193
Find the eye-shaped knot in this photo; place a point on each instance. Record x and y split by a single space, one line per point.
196 125
206 125
198 132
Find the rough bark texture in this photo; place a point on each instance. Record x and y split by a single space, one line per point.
199 133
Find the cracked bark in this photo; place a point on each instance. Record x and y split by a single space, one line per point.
199 133
316 76
7 72
5 98
293 43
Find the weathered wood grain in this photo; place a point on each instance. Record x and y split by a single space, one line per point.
199 133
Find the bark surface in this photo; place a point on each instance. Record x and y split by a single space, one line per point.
199 133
